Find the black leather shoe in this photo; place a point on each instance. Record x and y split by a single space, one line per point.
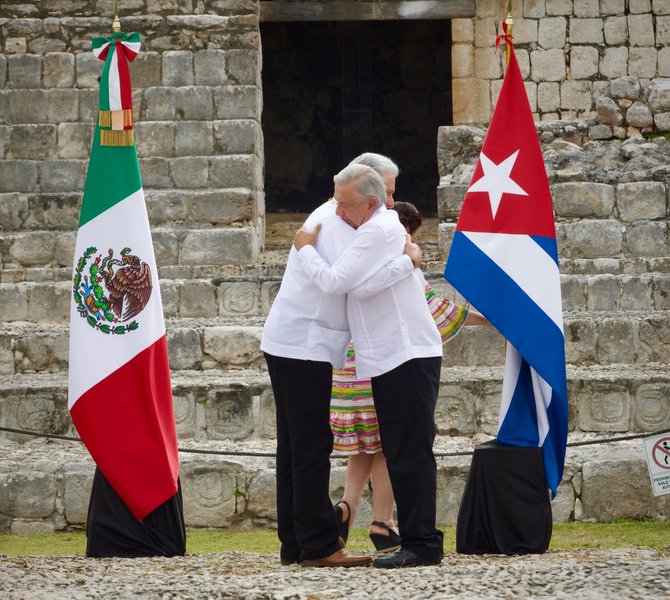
285 561
402 558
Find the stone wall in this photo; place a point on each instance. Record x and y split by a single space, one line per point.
570 53
197 106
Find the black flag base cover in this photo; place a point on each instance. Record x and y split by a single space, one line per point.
113 531
505 507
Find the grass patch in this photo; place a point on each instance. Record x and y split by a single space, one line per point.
617 534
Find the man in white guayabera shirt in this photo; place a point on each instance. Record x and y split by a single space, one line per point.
397 346
305 336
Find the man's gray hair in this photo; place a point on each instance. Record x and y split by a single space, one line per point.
380 163
368 182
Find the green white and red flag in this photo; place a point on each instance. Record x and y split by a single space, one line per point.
120 394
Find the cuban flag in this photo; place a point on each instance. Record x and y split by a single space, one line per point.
504 261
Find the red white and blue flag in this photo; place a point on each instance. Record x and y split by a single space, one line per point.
504 261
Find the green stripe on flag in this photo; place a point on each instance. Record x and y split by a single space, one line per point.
113 175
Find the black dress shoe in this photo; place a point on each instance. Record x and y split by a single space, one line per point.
403 558
286 561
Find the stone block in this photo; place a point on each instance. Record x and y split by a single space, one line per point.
34 142
583 199
243 67
177 68
639 115
237 171
14 210
487 411
24 71
655 334
190 172
534 9
637 7
236 346
42 352
6 353
197 299
662 31
586 8
210 68
159 104
170 298
32 495
463 60
661 293
63 106
209 487
13 302
525 31
642 62
576 96
26 106
88 106
229 413
487 64
74 140
548 97
32 248
603 293
659 95
185 348
58 70
547 65
607 480
450 486
155 138
238 137
580 342
559 7
193 138
603 409
449 200
262 496
237 102
3 71
563 505
583 62
614 62
652 409
18 175
462 30
612 7
269 291
62 175
88 70
485 31
267 421
145 70
614 342
455 410
636 292
552 32
647 239
592 239
641 200
194 103
662 121
77 483
573 293
586 31
625 87
50 303
239 298
641 30
470 99
155 173
616 31
65 247
187 410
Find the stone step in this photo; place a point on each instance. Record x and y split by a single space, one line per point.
45 297
634 338
46 484
213 406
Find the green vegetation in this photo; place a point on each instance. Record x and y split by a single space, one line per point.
618 534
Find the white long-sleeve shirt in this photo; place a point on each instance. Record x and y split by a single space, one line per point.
304 322
390 327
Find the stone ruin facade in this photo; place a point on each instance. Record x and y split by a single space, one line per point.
597 74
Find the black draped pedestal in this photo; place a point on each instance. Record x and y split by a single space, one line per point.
113 531
505 507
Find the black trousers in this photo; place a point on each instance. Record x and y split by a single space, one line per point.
306 522
405 399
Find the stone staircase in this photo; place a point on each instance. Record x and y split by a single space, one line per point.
617 329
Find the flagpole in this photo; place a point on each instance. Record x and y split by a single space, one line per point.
116 24
508 31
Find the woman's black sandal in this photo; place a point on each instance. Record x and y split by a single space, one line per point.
385 543
342 525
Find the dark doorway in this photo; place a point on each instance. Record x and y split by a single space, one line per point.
332 90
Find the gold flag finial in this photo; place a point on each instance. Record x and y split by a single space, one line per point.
116 25
508 31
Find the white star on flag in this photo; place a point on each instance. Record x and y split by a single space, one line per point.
496 180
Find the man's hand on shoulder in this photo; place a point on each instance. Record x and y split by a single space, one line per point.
306 238
413 251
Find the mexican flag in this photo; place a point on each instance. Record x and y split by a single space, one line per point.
120 395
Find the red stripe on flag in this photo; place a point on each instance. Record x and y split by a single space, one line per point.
127 423
124 76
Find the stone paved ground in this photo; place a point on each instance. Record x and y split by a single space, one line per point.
590 574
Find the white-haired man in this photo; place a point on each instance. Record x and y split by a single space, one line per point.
397 346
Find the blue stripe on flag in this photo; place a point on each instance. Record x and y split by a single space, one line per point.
509 309
519 428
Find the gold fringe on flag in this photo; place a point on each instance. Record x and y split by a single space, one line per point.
115 137
106 117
